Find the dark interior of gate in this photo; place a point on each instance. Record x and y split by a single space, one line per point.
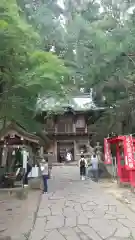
63 148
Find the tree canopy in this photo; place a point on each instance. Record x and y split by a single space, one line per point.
25 69
47 47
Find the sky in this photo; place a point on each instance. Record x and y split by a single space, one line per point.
130 10
60 2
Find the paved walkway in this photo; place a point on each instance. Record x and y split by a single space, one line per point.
16 216
81 210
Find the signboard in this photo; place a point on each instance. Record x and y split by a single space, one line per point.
129 152
107 152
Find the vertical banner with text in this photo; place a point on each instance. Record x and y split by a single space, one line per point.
107 152
129 152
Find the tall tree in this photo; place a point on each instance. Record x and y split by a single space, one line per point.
96 41
25 70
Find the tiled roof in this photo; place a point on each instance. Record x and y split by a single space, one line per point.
78 103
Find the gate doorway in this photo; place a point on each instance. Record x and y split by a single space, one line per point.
62 149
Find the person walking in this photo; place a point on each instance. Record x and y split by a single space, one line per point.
94 163
45 174
82 166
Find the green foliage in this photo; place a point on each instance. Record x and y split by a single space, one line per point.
103 42
97 47
25 70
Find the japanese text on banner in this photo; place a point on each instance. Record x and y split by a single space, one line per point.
129 157
107 152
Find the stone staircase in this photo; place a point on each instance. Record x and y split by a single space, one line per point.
102 168
106 172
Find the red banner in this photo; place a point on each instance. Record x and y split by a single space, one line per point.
129 152
107 152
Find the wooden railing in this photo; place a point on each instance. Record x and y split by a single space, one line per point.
81 130
66 130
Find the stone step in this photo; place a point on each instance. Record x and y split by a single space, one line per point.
5 238
65 164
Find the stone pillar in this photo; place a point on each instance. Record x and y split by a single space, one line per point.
74 127
25 155
55 152
86 128
9 158
4 156
98 148
42 152
75 152
56 128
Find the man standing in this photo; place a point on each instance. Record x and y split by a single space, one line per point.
94 163
82 165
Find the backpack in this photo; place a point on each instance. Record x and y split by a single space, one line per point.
82 163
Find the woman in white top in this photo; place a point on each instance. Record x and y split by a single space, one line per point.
45 171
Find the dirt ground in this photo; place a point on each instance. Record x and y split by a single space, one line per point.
17 216
123 194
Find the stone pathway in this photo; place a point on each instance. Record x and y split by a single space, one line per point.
81 210
17 216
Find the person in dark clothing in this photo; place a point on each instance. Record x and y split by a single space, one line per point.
82 165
